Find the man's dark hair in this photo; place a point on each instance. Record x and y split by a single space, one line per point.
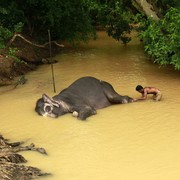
139 87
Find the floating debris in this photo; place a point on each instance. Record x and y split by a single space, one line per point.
22 80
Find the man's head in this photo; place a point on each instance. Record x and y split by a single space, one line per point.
139 88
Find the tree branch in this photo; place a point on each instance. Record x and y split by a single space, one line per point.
29 42
147 9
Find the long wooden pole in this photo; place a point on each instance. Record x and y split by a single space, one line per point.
52 68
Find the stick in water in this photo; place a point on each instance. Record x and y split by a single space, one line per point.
52 69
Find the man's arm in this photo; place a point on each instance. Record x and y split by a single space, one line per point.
144 95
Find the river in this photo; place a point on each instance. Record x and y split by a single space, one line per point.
136 141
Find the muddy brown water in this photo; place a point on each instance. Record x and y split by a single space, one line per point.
123 142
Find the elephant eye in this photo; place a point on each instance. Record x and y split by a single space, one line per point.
48 108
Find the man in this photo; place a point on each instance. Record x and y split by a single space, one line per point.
157 95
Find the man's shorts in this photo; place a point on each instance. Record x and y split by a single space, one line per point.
158 96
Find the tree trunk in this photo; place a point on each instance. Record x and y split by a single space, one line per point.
148 9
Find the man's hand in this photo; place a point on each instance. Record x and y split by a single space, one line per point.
135 100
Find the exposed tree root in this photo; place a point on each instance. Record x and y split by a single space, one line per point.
10 167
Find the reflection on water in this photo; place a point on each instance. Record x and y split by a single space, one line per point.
122 142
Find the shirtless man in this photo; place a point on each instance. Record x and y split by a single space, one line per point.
157 95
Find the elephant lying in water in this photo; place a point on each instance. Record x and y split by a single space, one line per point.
82 98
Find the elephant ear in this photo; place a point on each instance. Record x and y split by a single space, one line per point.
49 100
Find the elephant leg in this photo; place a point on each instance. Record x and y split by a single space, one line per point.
84 112
113 96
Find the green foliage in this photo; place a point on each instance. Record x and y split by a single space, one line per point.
10 14
67 20
9 21
116 18
165 5
75 20
12 53
5 34
18 27
162 38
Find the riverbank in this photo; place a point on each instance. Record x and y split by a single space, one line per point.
27 59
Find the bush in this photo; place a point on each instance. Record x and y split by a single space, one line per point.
161 38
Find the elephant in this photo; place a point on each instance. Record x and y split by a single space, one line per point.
82 98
